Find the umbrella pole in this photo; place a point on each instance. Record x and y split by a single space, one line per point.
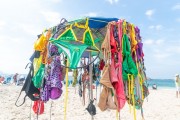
91 82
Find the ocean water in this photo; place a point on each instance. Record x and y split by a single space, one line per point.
161 83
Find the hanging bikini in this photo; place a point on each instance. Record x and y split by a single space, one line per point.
72 47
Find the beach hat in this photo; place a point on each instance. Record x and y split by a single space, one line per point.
177 75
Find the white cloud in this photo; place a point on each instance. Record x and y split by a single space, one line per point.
92 14
23 24
151 27
13 63
52 17
17 40
148 41
124 5
159 27
17 48
153 42
112 1
161 55
156 27
1 41
149 13
2 24
30 29
159 41
8 40
162 49
178 19
176 7
56 1
174 47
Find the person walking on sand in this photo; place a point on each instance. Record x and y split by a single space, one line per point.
1 79
15 78
177 83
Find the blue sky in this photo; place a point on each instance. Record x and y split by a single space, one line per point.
159 21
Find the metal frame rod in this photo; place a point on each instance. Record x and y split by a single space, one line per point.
91 81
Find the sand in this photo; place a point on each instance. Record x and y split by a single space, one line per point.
161 104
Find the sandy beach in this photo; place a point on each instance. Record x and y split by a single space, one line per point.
161 104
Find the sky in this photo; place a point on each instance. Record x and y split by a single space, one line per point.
159 21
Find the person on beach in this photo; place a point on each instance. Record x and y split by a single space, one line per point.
154 87
177 83
15 78
8 79
1 79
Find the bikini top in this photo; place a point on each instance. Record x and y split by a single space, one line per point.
87 37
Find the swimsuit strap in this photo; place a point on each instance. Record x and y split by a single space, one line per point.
68 31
